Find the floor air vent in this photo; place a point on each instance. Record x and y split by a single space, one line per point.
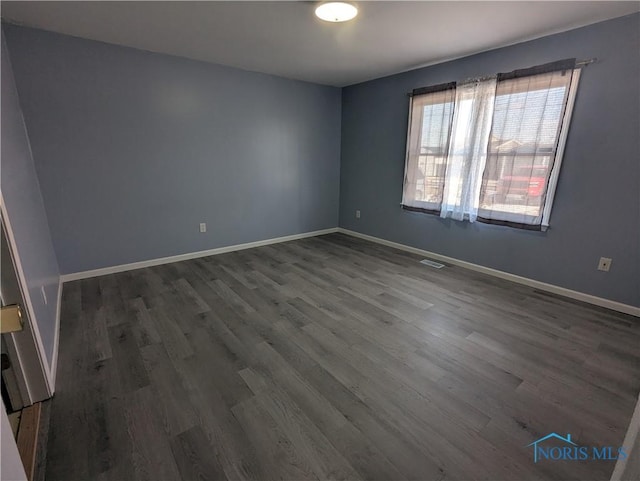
430 263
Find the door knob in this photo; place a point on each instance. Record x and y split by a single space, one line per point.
10 319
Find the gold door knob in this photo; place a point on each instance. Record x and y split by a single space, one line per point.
10 319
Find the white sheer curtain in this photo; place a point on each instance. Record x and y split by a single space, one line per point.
467 155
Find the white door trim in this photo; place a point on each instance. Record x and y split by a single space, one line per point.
12 467
37 391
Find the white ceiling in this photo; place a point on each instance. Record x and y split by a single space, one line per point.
285 38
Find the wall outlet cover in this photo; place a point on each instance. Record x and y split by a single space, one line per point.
604 264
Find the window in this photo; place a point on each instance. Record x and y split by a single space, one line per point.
427 147
490 149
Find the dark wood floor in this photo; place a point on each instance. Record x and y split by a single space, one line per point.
331 358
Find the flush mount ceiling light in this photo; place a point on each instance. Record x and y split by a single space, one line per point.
336 11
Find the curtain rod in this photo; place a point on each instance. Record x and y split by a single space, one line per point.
584 63
579 64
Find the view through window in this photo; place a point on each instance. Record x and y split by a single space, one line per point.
520 162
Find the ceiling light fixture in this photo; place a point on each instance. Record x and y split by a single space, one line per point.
336 11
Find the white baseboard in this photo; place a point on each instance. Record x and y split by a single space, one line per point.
581 296
191 255
56 340
543 286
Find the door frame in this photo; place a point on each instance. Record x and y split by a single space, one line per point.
25 348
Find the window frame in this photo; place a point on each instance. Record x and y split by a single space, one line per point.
562 142
544 212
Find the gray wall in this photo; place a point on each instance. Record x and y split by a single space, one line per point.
25 210
597 207
134 149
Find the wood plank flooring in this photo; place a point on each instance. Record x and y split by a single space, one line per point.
332 358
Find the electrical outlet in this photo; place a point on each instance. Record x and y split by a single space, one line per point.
604 264
44 294
357 214
203 227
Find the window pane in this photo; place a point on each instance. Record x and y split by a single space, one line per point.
522 148
428 143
